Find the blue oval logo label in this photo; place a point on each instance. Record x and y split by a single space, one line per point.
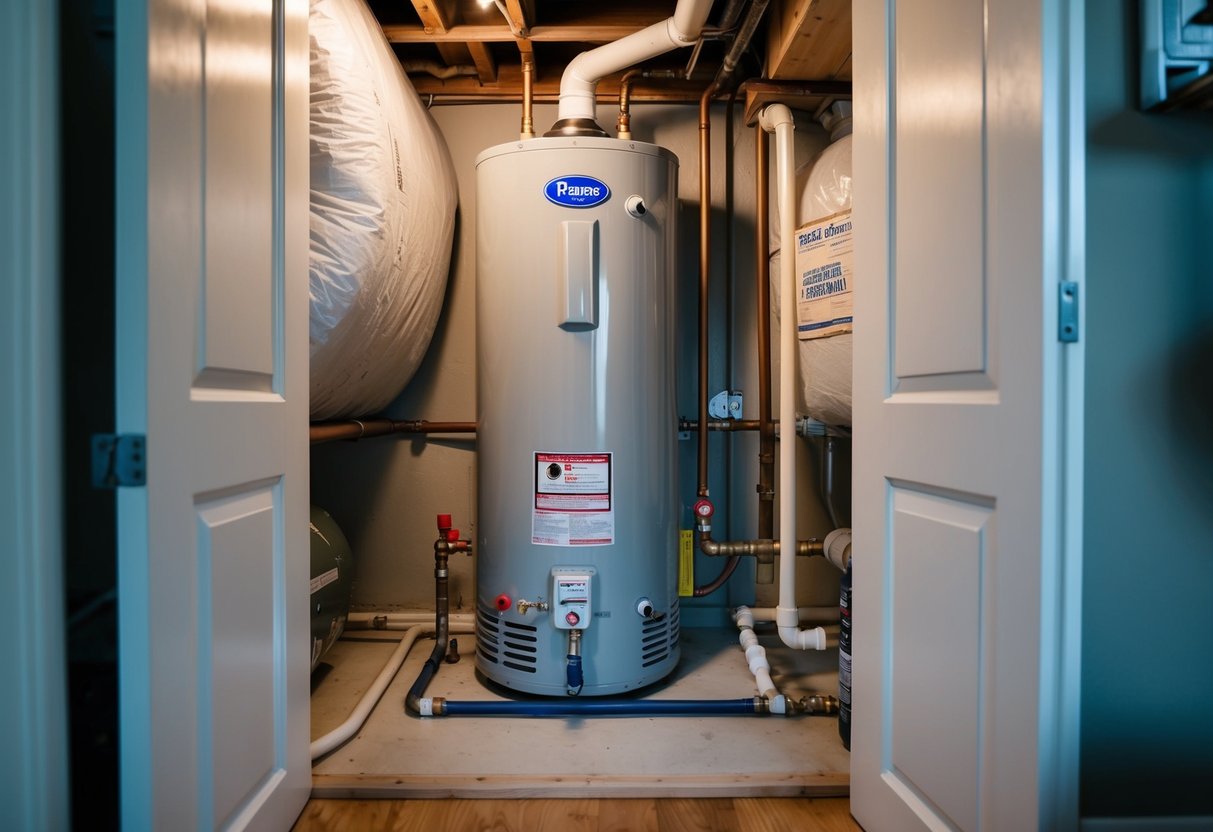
576 191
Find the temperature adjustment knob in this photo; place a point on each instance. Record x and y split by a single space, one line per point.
573 618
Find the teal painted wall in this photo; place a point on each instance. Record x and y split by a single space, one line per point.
1147 675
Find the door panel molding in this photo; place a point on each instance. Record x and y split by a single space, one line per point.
213 368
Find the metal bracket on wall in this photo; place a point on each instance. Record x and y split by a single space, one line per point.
119 460
727 404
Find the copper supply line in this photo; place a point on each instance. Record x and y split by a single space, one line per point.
809 548
528 97
723 77
623 124
705 265
367 428
727 425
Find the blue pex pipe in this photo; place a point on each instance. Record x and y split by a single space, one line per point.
589 707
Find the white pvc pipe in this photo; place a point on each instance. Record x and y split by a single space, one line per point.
825 615
363 709
755 653
777 119
582 74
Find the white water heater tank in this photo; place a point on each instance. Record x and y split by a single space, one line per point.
578 508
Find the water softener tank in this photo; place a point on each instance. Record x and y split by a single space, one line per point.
577 559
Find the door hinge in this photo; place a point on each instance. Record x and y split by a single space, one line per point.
119 460
1067 312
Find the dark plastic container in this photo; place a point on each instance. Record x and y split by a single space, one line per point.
844 659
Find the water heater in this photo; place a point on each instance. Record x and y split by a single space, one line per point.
578 510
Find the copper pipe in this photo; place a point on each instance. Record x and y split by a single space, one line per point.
726 572
623 124
528 97
719 581
762 285
721 424
758 548
368 428
705 260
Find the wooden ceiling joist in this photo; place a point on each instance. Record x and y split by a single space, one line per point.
486 67
435 19
521 14
587 32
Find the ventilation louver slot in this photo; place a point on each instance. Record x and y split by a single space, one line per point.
654 642
487 635
518 641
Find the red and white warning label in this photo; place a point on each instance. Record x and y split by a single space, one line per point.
572 500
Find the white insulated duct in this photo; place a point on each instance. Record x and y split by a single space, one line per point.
777 119
581 76
382 216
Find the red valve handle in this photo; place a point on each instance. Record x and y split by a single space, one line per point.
444 523
503 602
704 508
452 535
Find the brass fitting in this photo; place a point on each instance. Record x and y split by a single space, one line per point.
524 605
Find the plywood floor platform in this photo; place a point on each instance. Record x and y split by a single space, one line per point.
398 755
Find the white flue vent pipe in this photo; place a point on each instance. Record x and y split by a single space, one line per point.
777 119
581 76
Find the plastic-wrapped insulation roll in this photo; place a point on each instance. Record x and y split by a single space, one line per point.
383 204
823 187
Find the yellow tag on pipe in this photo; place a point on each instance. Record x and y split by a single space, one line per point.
686 563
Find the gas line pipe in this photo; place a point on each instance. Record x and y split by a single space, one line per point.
417 703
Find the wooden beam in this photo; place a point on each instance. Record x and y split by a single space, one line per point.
486 67
547 89
521 14
580 33
809 39
454 54
801 95
434 17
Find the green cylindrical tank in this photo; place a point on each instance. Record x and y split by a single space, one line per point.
332 576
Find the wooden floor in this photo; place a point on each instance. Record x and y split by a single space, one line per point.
590 815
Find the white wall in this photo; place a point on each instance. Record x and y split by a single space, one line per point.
385 492
1147 675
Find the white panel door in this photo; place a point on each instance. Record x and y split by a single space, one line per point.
212 366
964 507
